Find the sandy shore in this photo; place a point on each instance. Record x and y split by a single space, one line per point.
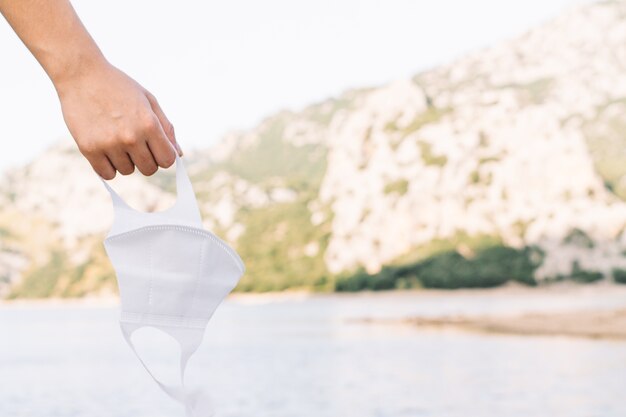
576 317
588 324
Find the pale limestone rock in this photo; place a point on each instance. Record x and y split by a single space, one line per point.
235 231
283 195
311 249
531 181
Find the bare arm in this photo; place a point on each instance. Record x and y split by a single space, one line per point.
116 123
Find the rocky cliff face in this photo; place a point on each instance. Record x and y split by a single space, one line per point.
522 144
500 143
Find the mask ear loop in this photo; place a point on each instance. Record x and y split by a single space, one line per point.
118 202
186 202
196 403
184 211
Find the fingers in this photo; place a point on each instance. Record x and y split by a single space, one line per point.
143 159
101 164
167 127
146 154
146 141
121 161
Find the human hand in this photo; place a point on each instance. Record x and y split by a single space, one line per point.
116 123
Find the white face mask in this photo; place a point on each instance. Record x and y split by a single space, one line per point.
172 275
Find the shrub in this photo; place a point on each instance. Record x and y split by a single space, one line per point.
431 115
586 276
619 276
580 275
490 267
578 237
399 187
429 158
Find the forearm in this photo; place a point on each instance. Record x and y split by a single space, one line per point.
54 34
116 123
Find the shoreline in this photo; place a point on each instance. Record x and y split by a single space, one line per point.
114 301
509 289
95 302
609 324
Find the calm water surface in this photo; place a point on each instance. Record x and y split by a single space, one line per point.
306 358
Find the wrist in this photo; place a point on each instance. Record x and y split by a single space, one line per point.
75 69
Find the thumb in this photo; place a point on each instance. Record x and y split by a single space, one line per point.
167 126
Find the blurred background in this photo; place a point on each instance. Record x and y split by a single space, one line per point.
429 199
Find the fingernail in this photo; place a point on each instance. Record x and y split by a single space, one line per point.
180 151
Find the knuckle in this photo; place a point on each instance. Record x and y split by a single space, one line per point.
128 139
88 149
149 124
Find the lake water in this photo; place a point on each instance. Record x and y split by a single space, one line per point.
307 358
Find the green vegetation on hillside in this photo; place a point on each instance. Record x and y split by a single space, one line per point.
429 158
274 247
578 237
619 275
430 115
581 275
460 241
323 112
487 267
271 158
58 277
399 187
41 281
281 247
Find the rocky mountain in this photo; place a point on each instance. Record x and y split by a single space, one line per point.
509 163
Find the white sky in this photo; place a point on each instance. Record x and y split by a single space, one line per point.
225 64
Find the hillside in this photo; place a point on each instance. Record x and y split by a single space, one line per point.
507 164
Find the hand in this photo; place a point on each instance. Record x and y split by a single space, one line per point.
116 123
